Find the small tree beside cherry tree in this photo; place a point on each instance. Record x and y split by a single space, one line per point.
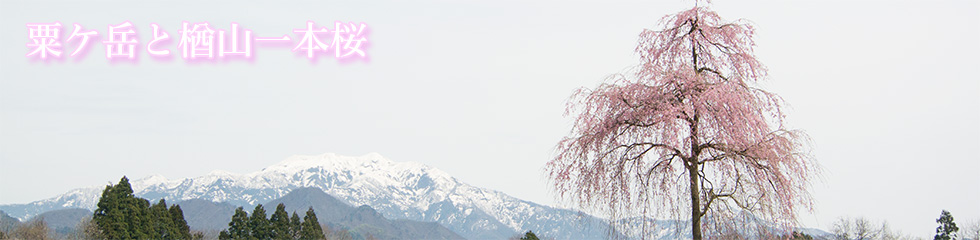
687 134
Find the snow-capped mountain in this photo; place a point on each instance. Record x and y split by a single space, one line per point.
398 190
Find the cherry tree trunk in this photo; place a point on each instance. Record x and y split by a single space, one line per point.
695 203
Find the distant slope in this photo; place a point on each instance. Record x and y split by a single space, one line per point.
63 221
7 223
328 208
362 221
203 215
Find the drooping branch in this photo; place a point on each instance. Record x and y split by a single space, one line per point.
687 126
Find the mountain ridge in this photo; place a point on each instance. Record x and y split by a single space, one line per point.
397 190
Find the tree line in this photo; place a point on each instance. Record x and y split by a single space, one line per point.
864 229
279 226
122 215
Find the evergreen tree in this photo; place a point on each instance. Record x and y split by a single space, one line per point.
141 220
295 225
238 227
947 228
224 235
163 224
529 236
280 223
311 227
104 214
181 229
259 224
111 215
122 215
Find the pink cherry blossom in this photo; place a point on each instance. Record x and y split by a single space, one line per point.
687 134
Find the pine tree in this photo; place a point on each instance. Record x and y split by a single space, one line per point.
295 225
259 224
280 223
238 227
947 228
311 226
180 227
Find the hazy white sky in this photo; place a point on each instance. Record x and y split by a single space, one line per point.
886 89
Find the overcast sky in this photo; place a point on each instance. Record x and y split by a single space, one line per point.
886 89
